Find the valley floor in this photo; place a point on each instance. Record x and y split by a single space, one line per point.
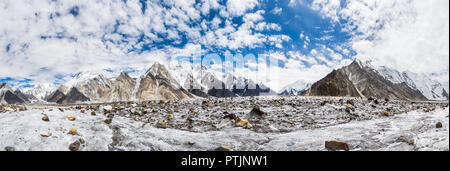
411 128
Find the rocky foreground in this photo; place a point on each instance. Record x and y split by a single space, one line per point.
250 123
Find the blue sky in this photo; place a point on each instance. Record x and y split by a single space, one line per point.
50 41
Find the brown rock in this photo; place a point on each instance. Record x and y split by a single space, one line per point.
324 103
439 125
191 143
75 146
73 131
93 113
46 134
162 124
336 145
256 111
385 113
170 116
223 148
82 111
108 121
230 116
60 109
45 118
10 149
22 108
71 118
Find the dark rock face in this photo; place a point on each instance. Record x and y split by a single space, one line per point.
334 84
445 94
25 97
74 96
358 80
251 91
7 96
198 93
55 96
11 98
221 93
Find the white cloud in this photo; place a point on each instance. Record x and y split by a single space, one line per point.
276 11
404 34
239 7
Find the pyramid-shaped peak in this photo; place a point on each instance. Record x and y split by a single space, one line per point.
63 89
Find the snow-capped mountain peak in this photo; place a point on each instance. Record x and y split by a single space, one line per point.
40 91
296 88
431 89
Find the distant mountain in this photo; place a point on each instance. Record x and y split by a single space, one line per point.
431 89
123 88
93 85
57 95
296 88
158 83
361 80
27 98
7 95
203 82
245 87
74 96
40 91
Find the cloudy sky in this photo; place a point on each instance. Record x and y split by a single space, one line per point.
51 40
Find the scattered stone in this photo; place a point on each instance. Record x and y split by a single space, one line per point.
230 116
411 142
335 145
45 118
10 148
243 123
170 116
60 109
71 118
93 113
223 148
136 119
81 140
191 143
376 101
257 112
349 109
162 124
133 111
324 103
385 113
110 116
73 131
439 125
351 102
22 108
75 146
108 121
107 108
46 134
82 111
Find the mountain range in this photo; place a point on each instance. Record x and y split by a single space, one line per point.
184 81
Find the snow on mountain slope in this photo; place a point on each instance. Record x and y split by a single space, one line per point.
296 88
430 88
40 91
